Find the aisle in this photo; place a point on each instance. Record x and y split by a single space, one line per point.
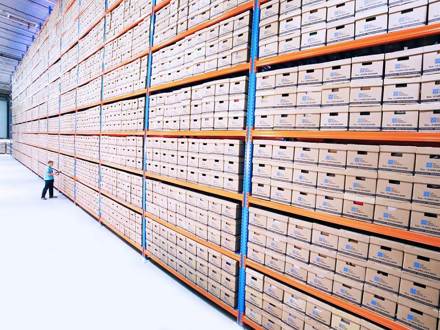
61 270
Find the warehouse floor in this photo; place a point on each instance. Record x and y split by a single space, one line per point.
60 269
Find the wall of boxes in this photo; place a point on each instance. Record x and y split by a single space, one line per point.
279 157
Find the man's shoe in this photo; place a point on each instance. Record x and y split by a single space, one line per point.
54 197
43 198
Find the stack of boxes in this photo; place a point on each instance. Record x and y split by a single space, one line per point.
87 147
87 198
368 93
124 115
211 218
70 26
67 123
89 93
121 219
205 267
124 186
210 162
67 144
220 46
90 67
87 173
125 151
287 26
90 11
67 165
390 277
219 104
391 185
92 40
88 120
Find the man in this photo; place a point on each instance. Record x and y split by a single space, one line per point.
49 180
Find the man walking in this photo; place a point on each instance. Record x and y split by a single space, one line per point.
49 180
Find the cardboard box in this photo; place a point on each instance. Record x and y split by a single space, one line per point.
365 118
276 242
313 15
283 150
290 21
308 118
358 207
405 90
269 9
340 30
277 223
256 252
323 258
404 63
275 261
325 236
298 250
313 35
371 22
366 91
427 161
286 77
400 117
261 187
380 300
319 311
369 66
386 251
331 178
392 212
304 196
303 175
300 229
383 276
289 42
425 219
394 186
429 116
337 9
431 54
430 88
364 157
320 278
362 5
268 47
292 318
420 288
274 289
336 71
361 182
353 268
311 74
271 322
416 315
422 262
254 297
254 313
433 11
353 244
397 158
408 15
343 320
309 96
281 191
311 324
272 306
307 153
348 289
296 269
426 190
295 299
329 201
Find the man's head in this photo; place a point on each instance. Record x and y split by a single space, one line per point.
50 163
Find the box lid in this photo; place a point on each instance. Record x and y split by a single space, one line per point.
412 4
320 273
429 106
372 82
346 61
384 268
290 35
292 13
311 145
301 244
353 235
359 198
309 88
349 282
329 169
401 107
323 251
355 261
418 251
421 279
425 208
426 179
329 193
313 7
399 149
431 311
301 223
325 229
361 173
431 48
315 66
380 292
303 189
386 242
340 22
368 58
332 3
335 108
314 27
346 316
393 203
388 175
363 108
359 147
372 12
408 80
430 77
299 166
335 85
307 110
404 53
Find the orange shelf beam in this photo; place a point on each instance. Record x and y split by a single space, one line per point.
373 41
160 5
355 309
395 136
251 323
201 291
96 161
193 237
195 186
124 203
81 133
204 76
128 240
406 235
128 61
231 13
113 6
122 167
231 134
122 133
127 28
124 96
87 106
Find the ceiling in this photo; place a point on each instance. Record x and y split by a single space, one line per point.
20 21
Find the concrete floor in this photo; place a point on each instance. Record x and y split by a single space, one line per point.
61 270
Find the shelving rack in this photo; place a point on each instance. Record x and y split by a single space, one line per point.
250 68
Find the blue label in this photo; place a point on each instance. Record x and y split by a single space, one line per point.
436 91
437 61
417 265
424 222
413 291
354 209
380 254
429 164
433 120
346 270
386 215
373 302
376 278
410 317
389 189
391 161
348 246
396 93
426 194
394 120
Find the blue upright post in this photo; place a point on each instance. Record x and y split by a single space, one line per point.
146 124
248 160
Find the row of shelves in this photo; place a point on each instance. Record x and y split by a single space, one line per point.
386 231
362 312
395 136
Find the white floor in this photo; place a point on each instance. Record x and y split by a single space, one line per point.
60 270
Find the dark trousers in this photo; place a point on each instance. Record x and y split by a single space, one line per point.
48 185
